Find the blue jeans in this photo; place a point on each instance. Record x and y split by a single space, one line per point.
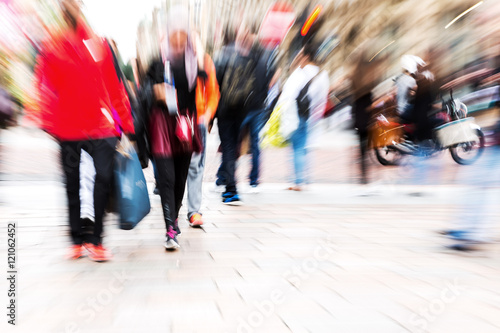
195 176
480 197
221 178
299 141
255 121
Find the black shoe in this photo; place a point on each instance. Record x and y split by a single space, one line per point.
176 228
462 247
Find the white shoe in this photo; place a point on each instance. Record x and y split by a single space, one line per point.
254 189
369 190
218 188
171 244
171 241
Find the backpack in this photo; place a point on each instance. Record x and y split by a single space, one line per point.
303 99
238 81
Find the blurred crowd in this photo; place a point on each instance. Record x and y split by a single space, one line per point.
262 80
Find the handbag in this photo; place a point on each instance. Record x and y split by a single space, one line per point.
275 133
131 191
184 130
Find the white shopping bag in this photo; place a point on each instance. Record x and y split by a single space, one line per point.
87 180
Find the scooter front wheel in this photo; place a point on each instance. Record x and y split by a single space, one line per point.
467 153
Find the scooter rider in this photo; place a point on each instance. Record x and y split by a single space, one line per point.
406 87
424 99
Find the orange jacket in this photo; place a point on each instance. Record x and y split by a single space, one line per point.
207 92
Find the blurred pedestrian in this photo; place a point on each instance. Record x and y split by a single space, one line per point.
427 91
207 99
259 112
6 107
363 78
79 90
174 134
227 48
236 77
477 200
309 86
7 104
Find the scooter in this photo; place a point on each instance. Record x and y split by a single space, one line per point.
455 131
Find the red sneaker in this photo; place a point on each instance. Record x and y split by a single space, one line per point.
75 252
195 220
98 252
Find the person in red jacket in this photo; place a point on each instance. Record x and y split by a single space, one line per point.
81 104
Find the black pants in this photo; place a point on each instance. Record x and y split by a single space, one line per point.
172 174
363 148
408 116
361 121
229 133
102 152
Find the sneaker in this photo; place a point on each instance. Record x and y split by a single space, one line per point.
195 220
254 188
98 252
227 194
218 188
455 234
171 242
462 247
233 200
296 188
75 252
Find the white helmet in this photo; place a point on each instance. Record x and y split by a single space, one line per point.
411 63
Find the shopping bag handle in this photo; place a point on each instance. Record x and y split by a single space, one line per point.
125 147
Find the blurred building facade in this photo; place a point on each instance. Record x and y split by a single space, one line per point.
392 28
410 27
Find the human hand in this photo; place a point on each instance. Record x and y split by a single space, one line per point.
159 92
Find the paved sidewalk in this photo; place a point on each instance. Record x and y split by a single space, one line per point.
334 258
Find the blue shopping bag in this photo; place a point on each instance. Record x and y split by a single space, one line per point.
131 192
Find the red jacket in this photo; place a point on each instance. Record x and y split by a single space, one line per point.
79 88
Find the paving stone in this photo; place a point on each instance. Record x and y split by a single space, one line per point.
342 262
